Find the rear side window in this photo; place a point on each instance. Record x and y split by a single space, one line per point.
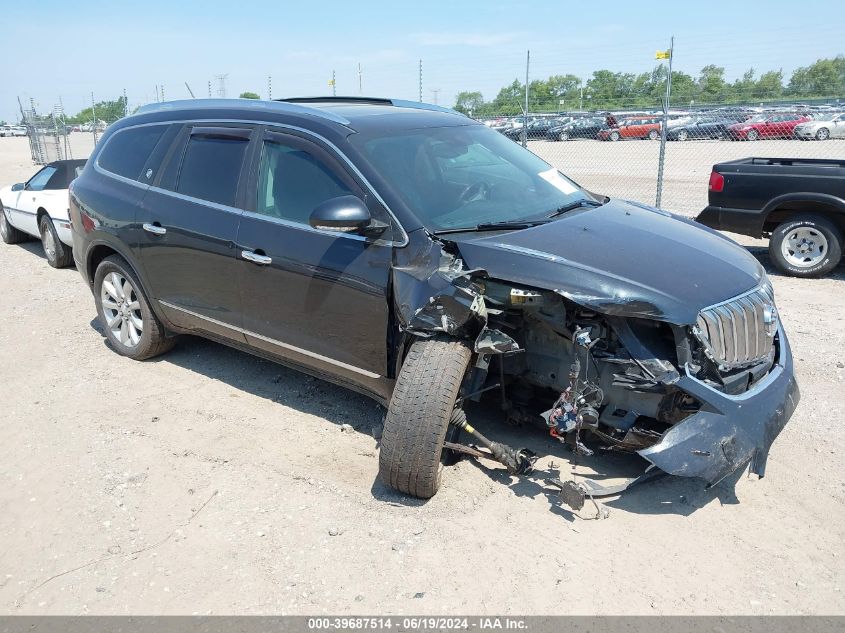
127 151
211 166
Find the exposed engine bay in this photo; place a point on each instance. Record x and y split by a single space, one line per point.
601 378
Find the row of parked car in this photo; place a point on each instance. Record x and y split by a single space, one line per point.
736 125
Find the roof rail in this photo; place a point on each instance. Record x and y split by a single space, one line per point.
250 104
362 100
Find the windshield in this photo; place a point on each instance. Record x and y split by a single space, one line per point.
455 177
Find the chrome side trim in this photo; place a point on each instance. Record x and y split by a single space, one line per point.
292 348
284 126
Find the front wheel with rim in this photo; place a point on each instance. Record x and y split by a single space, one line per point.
614 136
654 135
10 234
564 136
683 135
806 246
752 135
823 134
411 456
58 254
124 312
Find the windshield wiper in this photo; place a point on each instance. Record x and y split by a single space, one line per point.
584 202
495 226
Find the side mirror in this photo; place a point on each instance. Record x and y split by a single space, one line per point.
345 214
19 186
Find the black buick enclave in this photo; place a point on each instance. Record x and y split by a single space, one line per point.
408 252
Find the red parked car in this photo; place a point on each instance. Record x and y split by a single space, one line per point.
766 125
637 127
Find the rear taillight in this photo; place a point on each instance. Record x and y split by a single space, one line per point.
717 181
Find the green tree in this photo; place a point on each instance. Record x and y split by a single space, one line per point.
743 88
511 99
711 84
469 102
249 95
769 86
108 111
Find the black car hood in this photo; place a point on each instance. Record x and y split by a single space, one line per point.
620 259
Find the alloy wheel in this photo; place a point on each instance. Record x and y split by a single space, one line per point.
49 242
823 134
4 226
122 309
682 135
804 247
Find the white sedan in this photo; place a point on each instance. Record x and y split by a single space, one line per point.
822 127
39 208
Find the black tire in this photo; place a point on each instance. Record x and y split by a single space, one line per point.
10 234
58 254
563 136
653 135
823 134
752 135
153 340
614 136
822 225
411 456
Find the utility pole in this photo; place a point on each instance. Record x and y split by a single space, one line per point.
269 88
221 85
94 116
435 92
525 118
162 93
581 99
125 104
157 99
360 82
334 84
209 90
661 163
420 81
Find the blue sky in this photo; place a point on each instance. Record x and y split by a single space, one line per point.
57 49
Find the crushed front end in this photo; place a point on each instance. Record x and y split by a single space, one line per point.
699 399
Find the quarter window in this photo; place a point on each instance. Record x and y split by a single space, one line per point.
128 150
292 181
39 181
211 166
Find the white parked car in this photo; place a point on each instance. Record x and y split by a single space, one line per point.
12 130
822 127
39 208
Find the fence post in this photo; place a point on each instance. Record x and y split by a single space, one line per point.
525 117
661 163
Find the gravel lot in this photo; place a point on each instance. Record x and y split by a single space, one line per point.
210 481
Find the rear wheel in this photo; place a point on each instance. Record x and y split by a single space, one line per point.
823 134
10 234
654 135
130 325
806 246
683 135
614 136
564 136
57 253
412 456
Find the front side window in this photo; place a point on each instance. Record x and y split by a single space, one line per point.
460 176
128 150
211 165
292 181
39 181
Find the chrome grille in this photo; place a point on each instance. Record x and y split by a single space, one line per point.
739 331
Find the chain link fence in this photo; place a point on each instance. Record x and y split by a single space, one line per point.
664 158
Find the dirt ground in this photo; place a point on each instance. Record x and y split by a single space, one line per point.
210 481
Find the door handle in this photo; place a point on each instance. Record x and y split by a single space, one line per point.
155 229
256 258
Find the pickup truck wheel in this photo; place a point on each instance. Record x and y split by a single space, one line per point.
806 246
10 234
58 255
411 457
823 134
124 312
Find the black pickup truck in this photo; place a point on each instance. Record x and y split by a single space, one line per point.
799 204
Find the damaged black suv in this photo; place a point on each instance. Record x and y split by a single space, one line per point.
410 253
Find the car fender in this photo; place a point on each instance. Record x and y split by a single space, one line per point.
832 202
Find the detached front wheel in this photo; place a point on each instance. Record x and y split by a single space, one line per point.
412 455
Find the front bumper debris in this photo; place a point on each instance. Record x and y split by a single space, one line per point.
729 431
